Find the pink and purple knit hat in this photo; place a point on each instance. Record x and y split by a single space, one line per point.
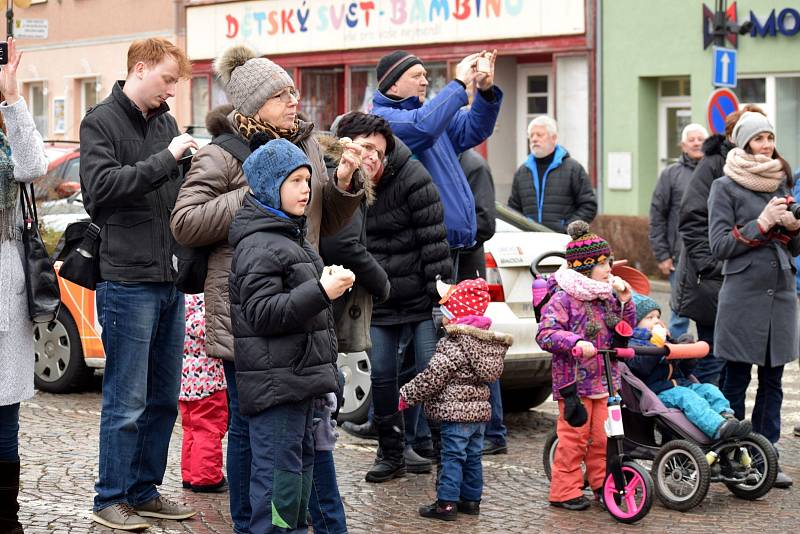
586 249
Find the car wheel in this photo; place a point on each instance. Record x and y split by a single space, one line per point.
357 391
522 400
59 366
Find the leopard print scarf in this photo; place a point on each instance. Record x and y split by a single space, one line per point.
248 126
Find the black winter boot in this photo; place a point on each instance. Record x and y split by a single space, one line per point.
444 510
9 489
390 462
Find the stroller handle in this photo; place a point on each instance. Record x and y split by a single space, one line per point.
673 351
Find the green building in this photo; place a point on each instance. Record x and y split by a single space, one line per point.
656 77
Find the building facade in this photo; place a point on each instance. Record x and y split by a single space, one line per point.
657 77
85 53
545 64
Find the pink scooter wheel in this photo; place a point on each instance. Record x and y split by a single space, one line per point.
638 494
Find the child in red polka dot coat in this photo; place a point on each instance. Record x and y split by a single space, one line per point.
204 406
455 389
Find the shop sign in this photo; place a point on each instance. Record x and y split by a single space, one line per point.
786 22
290 26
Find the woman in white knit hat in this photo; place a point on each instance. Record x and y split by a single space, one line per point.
756 236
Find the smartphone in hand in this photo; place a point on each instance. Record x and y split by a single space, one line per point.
3 53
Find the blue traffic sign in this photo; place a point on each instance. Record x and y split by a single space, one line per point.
724 71
721 103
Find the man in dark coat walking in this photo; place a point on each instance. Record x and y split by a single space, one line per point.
551 187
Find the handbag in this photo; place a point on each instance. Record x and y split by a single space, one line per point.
79 252
41 283
352 328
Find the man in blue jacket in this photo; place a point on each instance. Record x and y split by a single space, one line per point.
438 130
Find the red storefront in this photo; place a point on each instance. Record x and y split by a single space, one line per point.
330 47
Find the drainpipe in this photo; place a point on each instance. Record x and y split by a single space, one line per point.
599 119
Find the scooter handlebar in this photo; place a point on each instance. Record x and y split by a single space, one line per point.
673 351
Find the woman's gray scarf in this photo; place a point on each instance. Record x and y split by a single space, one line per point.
9 192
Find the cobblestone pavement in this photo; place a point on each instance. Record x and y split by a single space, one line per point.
59 455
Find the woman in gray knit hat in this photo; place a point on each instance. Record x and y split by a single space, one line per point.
265 103
756 236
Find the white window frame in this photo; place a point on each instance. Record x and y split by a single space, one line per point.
82 81
28 86
523 71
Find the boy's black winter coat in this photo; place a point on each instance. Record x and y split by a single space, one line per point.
284 339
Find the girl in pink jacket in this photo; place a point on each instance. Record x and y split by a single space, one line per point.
582 313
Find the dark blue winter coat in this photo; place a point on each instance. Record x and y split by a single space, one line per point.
436 133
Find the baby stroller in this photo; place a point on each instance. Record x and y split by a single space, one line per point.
684 460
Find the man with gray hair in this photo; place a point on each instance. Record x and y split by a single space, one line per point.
665 208
550 187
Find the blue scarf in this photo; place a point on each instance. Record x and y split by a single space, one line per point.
560 152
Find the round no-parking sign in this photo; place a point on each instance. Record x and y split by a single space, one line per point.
721 104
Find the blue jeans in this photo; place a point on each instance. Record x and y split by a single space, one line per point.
325 505
710 369
238 456
143 329
766 416
496 431
678 324
461 477
282 444
702 404
9 432
389 345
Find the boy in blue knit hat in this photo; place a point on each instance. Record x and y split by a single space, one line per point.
703 404
284 342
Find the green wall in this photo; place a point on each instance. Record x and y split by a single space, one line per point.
644 40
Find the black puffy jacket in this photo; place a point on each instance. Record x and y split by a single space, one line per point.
406 234
284 339
699 274
568 194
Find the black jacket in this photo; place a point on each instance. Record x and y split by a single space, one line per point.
128 174
699 274
471 262
406 235
568 194
348 247
665 207
284 339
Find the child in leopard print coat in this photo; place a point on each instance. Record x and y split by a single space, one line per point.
455 389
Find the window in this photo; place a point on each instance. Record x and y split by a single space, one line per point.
363 84
787 118
90 89
751 90
675 87
202 102
322 95
37 100
534 98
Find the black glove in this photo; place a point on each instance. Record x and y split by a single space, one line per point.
574 411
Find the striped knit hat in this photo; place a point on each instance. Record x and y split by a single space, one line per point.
586 249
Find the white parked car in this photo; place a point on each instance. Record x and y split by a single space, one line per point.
526 380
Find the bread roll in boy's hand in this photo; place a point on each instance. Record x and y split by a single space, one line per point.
335 280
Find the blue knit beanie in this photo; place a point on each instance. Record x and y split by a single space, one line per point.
268 167
644 305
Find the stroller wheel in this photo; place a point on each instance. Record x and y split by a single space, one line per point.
549 456
681 475
638 497
763 464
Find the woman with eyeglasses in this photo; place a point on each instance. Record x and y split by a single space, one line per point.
406 236
264 107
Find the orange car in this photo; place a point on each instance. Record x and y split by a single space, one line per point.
69 349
